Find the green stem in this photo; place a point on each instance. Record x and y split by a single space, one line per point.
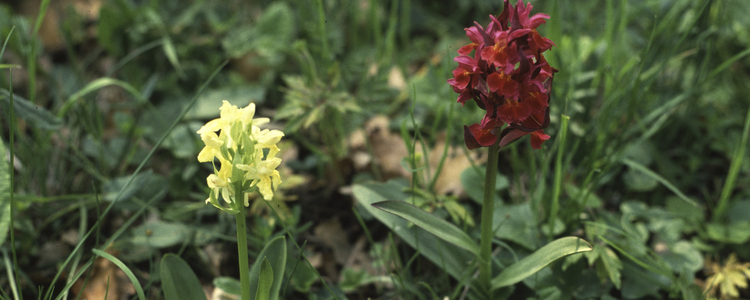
488 209
555 205
242 242
734 170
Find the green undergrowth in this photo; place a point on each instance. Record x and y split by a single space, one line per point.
652 172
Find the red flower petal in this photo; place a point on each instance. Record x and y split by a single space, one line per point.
476 136
537 101
466 50
503 84
537 138
513 111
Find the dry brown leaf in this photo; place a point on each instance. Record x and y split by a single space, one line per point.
388 150
449 179
396 79
106 279
332 235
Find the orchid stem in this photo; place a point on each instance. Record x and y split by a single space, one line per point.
242 243
488 209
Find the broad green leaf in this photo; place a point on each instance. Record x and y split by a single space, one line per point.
517 223
683 256
126 270
275 253
183 140
454 260
638 181
178 280
5 191
303 275
473 180
265 281
735 233
437 226
539 259
352 279
160 234
738 211
228 285
26 110
144 185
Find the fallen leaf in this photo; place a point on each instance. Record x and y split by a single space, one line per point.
332 235
387 150
106 279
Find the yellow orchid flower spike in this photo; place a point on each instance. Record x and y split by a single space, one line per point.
246 155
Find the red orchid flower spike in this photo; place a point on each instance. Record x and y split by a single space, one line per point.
507 76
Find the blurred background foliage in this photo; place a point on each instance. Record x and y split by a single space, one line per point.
654 174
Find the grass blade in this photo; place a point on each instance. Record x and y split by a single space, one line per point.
734 169
124 268
96 85
660 179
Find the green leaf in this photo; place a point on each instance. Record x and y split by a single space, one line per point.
178 280
473 179
517 223
171 53
453 259
229 285
539 259
144 185
352 279
160 234
437 226
4 194
638 283
275 253
124 268
735 233
303 275
738 211
183 140
610 264
26 110
683 258
264 281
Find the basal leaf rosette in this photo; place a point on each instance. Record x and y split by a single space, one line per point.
245 153
507 76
